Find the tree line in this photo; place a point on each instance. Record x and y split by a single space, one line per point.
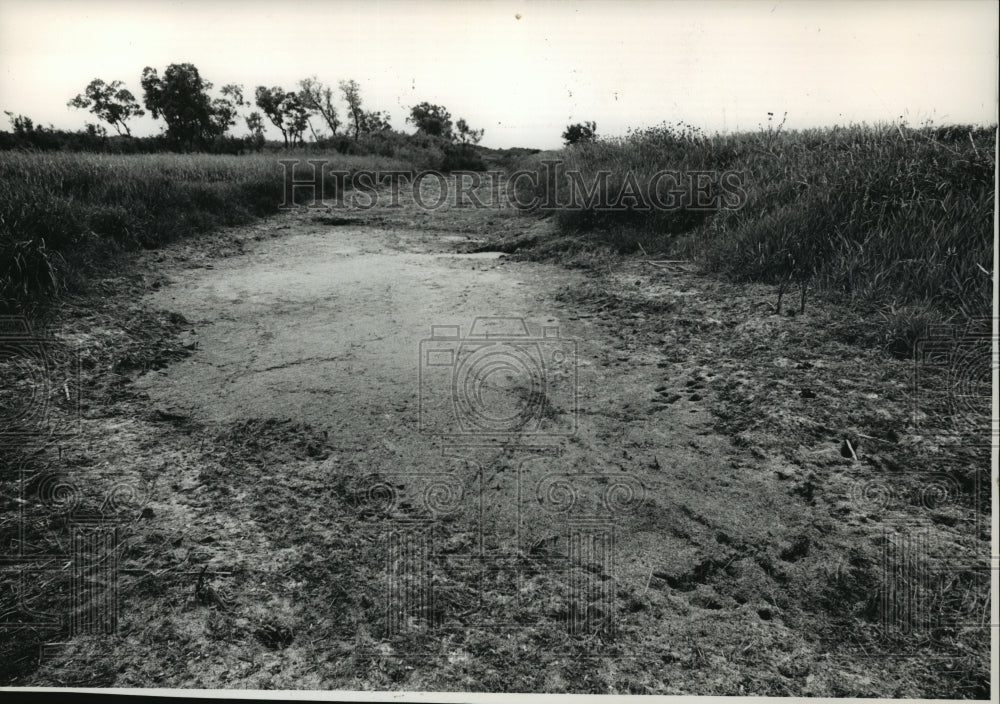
199 119
195 117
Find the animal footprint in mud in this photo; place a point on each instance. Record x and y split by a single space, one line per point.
665 395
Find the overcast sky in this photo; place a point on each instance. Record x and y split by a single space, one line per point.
523 70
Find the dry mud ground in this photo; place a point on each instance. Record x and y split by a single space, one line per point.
703 497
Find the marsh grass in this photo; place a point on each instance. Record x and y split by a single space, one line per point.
896 221
63 212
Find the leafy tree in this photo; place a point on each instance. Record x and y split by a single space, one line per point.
95 131
431 119
255 123
22 124
465 135
375 122
579 133
234 93
225 110
352 96
111 102
181 98
318 98
286 111
296 116
270 101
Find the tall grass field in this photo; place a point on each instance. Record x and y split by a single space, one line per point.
62 211
897 221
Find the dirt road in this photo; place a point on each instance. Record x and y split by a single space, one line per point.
324 327
341 499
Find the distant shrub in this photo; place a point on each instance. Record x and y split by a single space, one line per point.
580 133
459 157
